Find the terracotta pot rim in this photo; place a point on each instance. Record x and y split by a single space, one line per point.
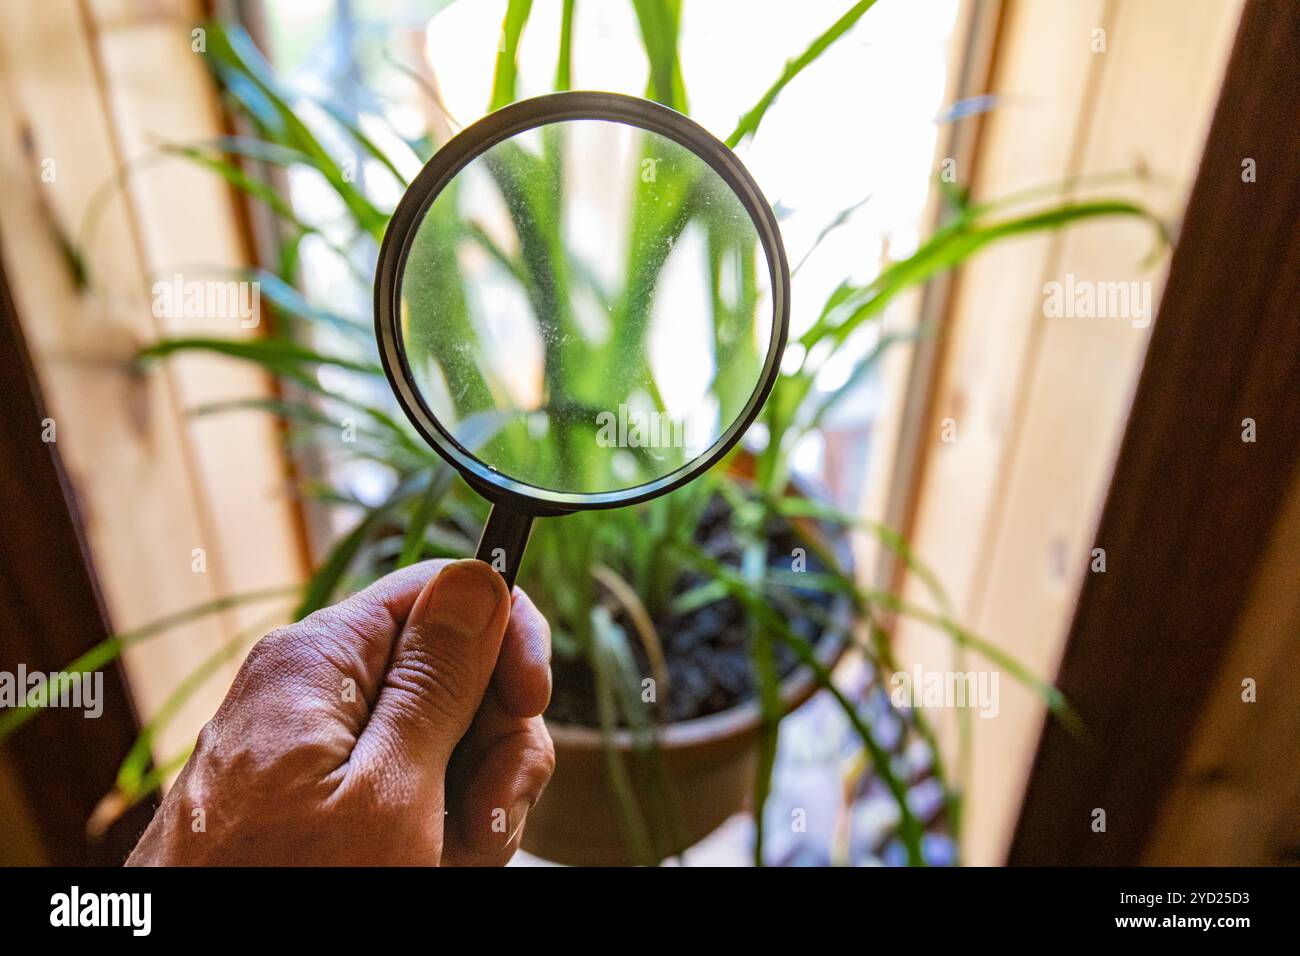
796 688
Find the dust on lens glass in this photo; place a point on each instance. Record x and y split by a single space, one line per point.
586 307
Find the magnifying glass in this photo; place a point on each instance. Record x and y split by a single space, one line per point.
581 302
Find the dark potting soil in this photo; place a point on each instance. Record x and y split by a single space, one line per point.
706 650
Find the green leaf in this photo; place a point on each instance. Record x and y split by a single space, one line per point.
110 649
426 508
505 77
610 660
325 582
757 604
861 369
840 219
249 147
749 122
660 22
763 660
368 145
564 60
396 445
248 185
850 306
157 775
291 302
432 480
249 77
1049 694
280 356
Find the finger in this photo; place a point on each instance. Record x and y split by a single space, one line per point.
440 669
493 783
522 679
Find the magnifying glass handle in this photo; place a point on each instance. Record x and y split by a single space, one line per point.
504 538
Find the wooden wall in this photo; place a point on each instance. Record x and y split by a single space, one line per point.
1236 800
1006 513
84 88
1180 659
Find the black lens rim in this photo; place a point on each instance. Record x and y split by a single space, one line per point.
446 163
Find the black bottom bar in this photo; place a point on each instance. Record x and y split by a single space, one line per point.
912 906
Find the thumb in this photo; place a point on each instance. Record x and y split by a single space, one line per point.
441 666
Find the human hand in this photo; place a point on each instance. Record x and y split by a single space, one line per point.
398 727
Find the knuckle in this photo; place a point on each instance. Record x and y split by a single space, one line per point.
206 745
278 639
343 635
323 619
264 764
538 753
281 657
266 658
546 756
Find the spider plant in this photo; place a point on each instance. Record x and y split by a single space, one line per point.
602 579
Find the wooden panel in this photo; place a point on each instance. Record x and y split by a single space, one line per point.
1006 512
1039 82
1162 74
20 844
1193 507
151 484
118 430
1044 75
1236 801
56 768
907 370
187 221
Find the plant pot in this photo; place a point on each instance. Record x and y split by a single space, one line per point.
709 763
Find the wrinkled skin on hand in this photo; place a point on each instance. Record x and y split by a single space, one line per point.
399 727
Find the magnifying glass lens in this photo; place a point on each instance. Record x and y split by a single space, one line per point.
586 307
